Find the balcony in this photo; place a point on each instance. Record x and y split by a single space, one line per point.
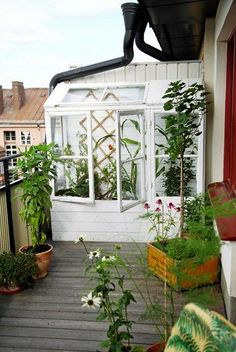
49 316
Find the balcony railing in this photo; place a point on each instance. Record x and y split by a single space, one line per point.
13 232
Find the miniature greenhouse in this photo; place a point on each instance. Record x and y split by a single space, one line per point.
109 140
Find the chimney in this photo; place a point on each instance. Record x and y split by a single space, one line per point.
18 94
1 100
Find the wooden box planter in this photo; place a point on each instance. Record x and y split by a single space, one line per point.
187 275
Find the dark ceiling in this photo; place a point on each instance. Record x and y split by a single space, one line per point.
179 25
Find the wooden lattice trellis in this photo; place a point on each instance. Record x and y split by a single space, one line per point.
98 124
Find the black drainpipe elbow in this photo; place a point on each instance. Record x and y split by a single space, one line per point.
131 18
146 48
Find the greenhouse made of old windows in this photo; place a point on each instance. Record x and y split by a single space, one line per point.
112 159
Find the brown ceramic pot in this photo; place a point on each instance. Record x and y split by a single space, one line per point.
157 347
43 259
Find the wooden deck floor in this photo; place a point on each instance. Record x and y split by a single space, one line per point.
49 316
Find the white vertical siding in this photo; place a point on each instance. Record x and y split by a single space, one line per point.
140 72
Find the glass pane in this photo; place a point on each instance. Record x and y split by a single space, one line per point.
131 180
72 178
160 140
70 134
124 94
168 177
130 135
83 95
2 180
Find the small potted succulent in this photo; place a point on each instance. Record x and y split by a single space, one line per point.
16 271
36 168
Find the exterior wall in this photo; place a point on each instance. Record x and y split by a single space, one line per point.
102 221
37 134
141 72
215 60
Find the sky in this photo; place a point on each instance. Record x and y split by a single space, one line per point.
41 38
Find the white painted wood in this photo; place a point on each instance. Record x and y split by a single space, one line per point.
150 72
102 220
228 262
182 70
130 74
135 72
172 71
161 72
141 72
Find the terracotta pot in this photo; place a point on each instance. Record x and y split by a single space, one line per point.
43 259
11 290
191 275
157 347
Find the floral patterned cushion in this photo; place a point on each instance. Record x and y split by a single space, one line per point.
199 330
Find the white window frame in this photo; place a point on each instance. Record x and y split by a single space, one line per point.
89 158
130 203
25 137
12 136
200 156
11 149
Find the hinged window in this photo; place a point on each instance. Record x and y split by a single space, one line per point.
130 159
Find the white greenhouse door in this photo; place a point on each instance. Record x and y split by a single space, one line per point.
130 159
73 137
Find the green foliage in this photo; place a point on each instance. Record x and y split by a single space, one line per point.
36 167
171 177
162 219
16 269
193 247
111 294
182 127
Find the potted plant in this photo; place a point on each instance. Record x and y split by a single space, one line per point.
36 167
183 262
16 271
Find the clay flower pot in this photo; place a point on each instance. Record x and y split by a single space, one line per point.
157 347
43 259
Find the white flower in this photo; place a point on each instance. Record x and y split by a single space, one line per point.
108 258
80 239
94 254
90 301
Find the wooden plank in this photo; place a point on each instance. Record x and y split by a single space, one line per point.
49 316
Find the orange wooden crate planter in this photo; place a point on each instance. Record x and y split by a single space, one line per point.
194 275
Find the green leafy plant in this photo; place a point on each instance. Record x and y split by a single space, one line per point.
36 167
163 218
171 177
16 269
182 126
111 297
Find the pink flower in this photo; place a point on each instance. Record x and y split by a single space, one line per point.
178 209
158 209
159 201
171 205
146 206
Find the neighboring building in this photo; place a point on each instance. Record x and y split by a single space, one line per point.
21 118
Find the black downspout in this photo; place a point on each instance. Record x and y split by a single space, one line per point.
131 18
146 48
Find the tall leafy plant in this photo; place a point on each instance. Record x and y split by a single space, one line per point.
182 126
36 168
